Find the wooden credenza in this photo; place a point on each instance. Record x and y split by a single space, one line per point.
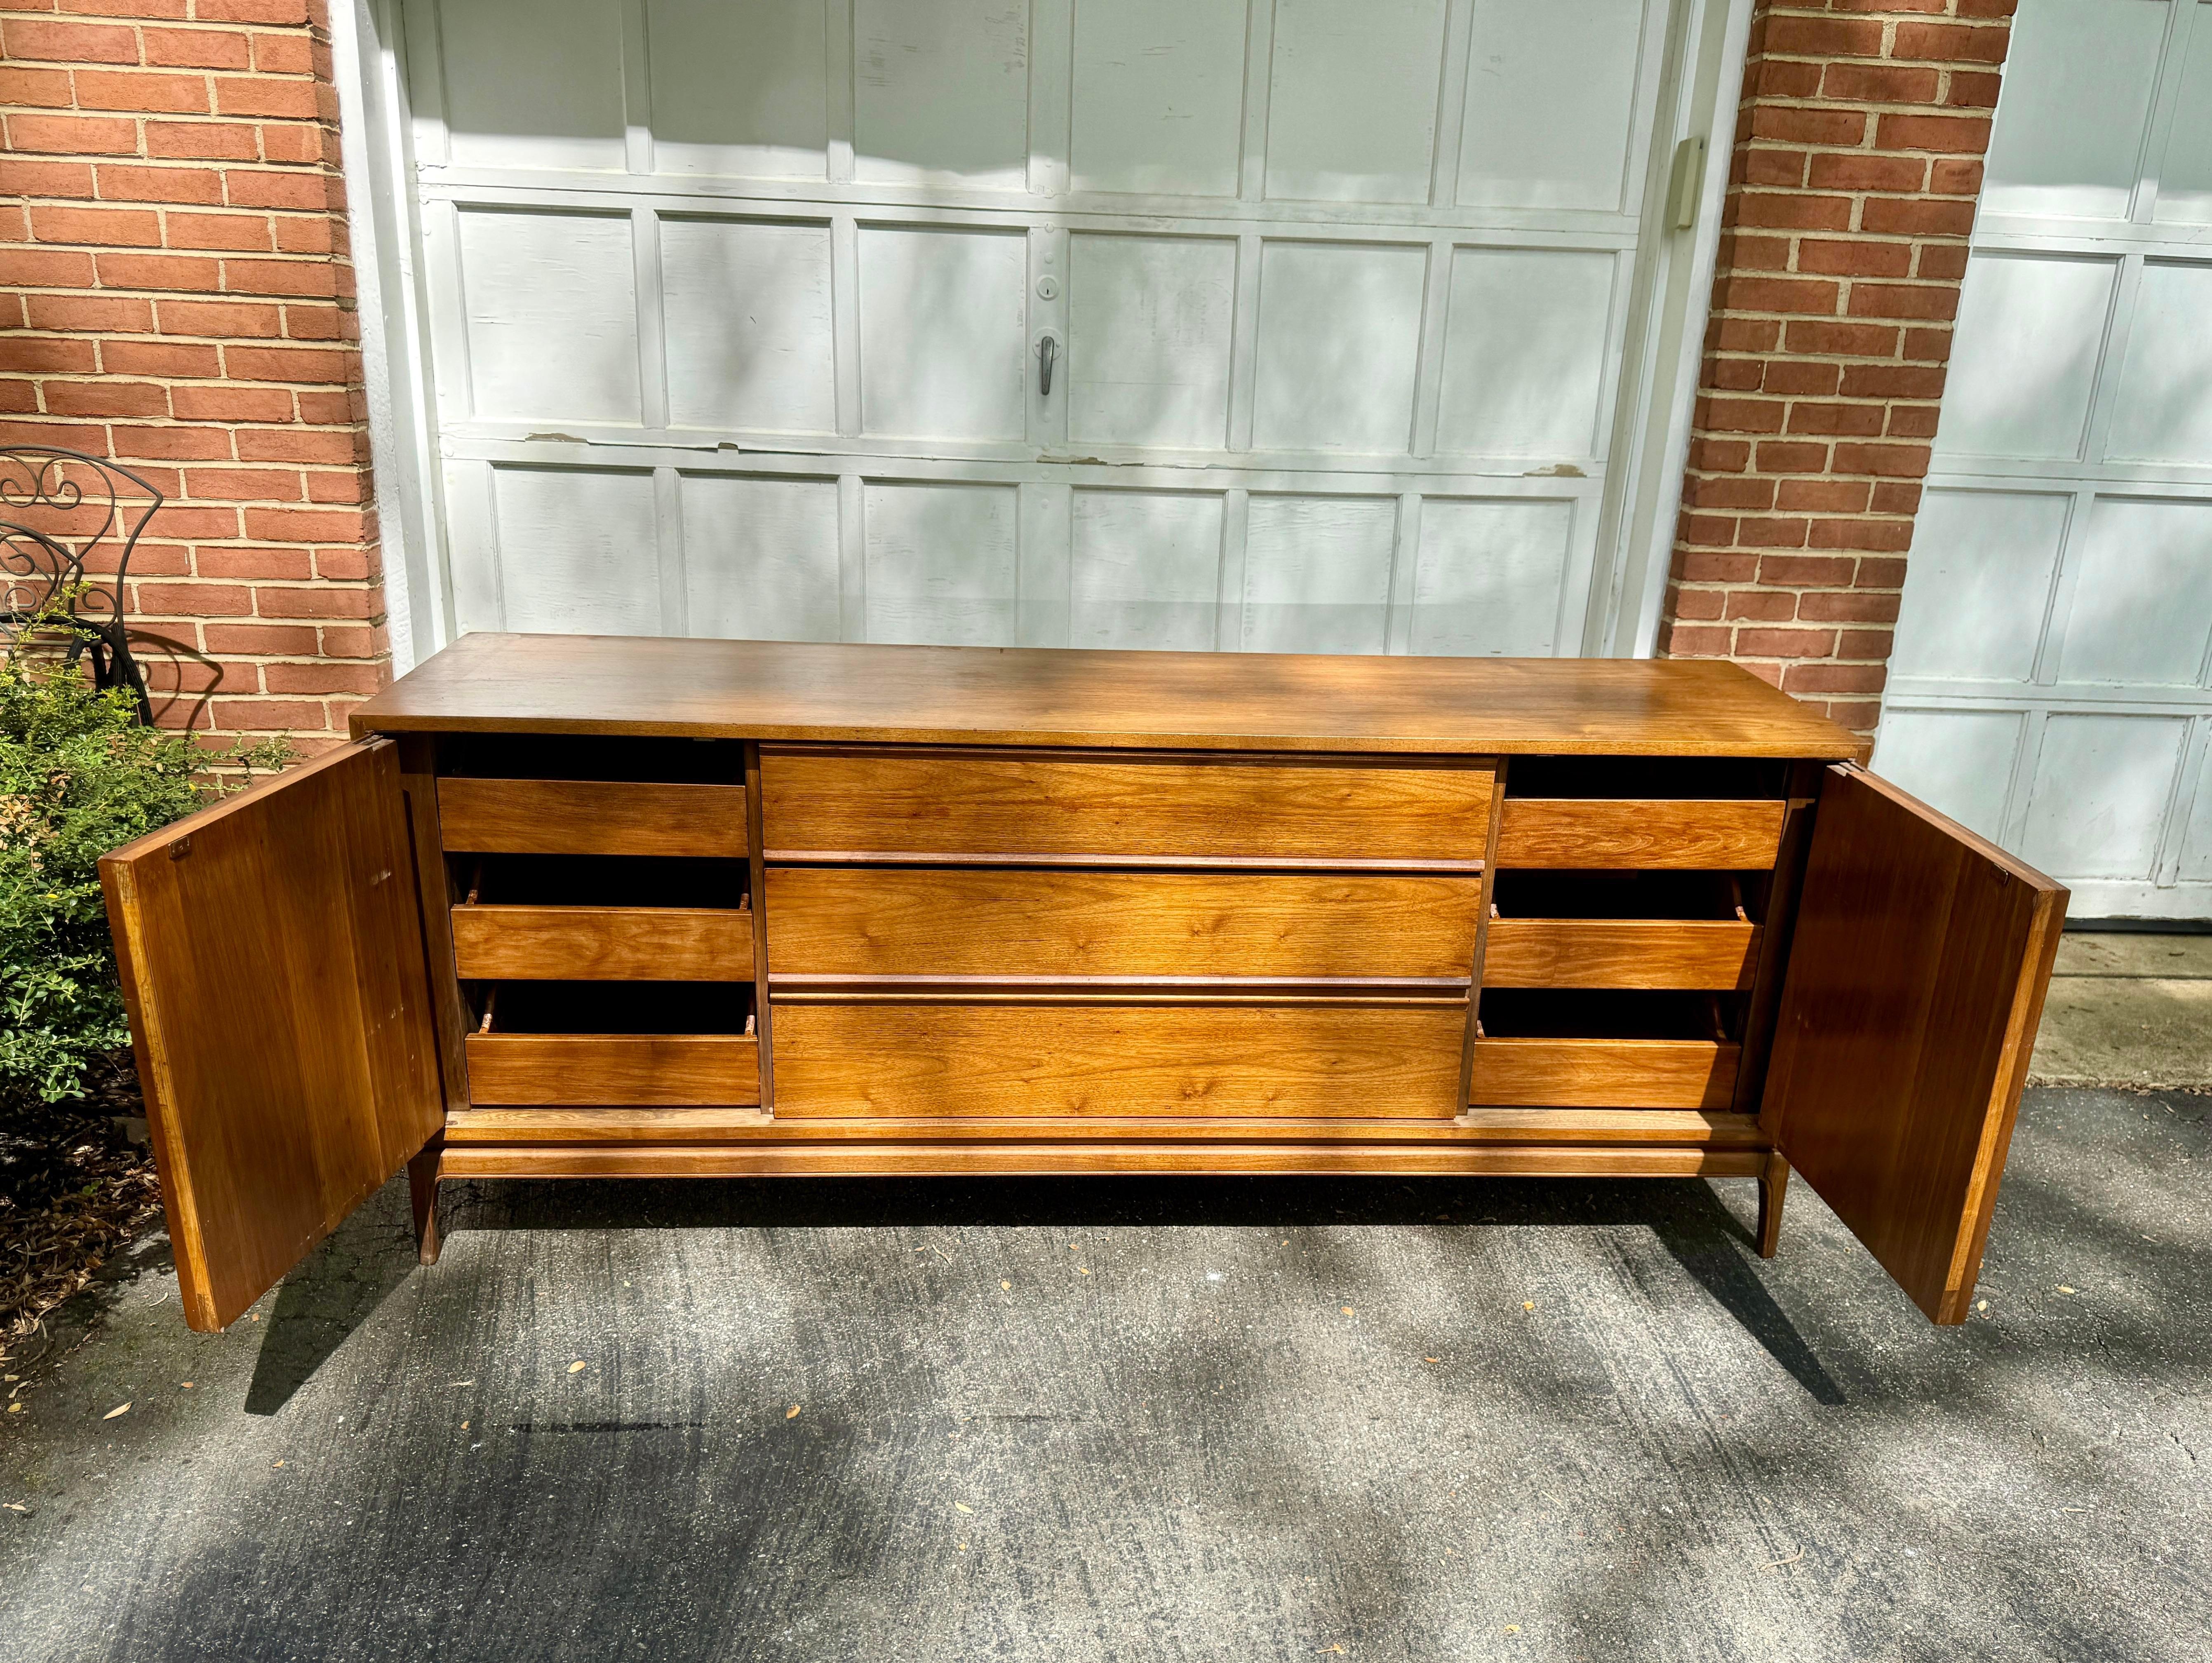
588 906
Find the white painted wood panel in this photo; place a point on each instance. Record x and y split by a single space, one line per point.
1525 352
943 354
1351 105
1550 103
576 551
941 92
1151 322
941 563
2050 682
760 558
1317 574
1488 578
750 331
739 87
1144 569
550 310
533 83
1158 97
1338 329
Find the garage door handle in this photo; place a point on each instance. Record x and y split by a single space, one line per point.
1048 350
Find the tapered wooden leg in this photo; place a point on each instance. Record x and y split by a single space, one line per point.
423 1189
1773 1185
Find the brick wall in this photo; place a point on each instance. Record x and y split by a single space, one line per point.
1857 164
175 293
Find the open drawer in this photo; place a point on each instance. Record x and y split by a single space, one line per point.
545 918
636 1044
1619 930
1603 1050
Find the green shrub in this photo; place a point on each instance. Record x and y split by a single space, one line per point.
78 775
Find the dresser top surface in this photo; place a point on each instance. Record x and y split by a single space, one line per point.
611 684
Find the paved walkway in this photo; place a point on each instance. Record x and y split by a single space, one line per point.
1250 1420
2131 1009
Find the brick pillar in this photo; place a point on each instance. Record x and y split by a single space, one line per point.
175 293
1851 192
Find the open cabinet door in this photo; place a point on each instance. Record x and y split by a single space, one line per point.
1916 979
271 951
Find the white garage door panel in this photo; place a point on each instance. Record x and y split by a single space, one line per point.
734 309
2052 679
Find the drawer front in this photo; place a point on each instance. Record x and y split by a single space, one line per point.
1591 832
951 921
1023 1059
589 817
613 1070
1542 1073
603 944
833 805
1546 952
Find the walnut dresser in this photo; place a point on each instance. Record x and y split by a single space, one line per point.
590 907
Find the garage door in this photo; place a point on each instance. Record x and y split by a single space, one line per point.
2052 680
1117 323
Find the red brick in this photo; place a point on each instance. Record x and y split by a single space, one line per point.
1855 259
1780 294
1795 213
256 565
1878 536
1761 605
1953 178
1728 334
307 445
195 600
298 141
1786 643
357 641
1784 457
74 136
244 484
238 95
1706 530
253 188
44 178
252 11
1805 571
1822 37
1704 565
171 444
318 323
333 487
112 228
1827 496
1836 128
133 182
1892 381
1917 218
261 640
68 43
312 365
1847 340
33 354
1719 455
1966 136
145 92
158 358
18 396
1880 83
330 409
45 268
1736 491
1971 8
1946 262
1928 346
312 277
339 601
283 54
322 677
307 525
241 233
1740 414
1880 573
1704 604
1684 641
198 49
1800 377
1890 461
1860 421
1833 679
37 88
1848 606
104 314
1772 166
266 715
1858 172
202 141
1896 300
229 404
1779 78
229 319
1894 499
1951 43
1780 533
309 234
105 397
1970 91
157 271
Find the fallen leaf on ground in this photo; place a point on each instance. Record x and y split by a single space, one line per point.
1512 1628
1527 1304
15 1408
1432 1359
1348 1311
1008 1286
187 1385
962 1506
576 1368
2064 1288
119 1409
792 1413
275 1463
1083 1270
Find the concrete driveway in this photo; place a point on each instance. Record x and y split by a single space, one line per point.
1249 1420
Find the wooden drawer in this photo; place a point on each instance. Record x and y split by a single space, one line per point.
603 944
1550 1073
648 1070
822 804
1338 1059
589 817
1740 835
859 921
1554 952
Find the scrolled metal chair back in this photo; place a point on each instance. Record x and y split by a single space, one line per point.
64 518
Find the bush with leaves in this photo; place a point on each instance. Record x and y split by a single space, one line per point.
78 776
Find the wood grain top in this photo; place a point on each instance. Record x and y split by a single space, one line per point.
1059 697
